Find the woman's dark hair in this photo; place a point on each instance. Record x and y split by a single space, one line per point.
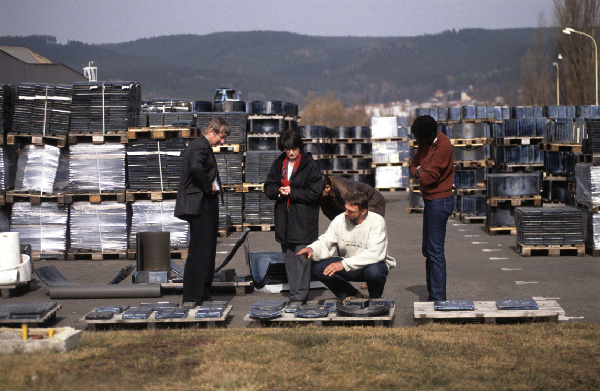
290 140
423 126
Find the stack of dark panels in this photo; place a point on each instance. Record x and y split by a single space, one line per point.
237 122
233 206
224 219
44 225
549 226
258 208
312 131
151 216
97 167
98 227
154 164
593 131
230 168
8 97
105 107
8 166
172 105
43 109
258 164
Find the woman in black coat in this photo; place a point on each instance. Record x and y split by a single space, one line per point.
295 182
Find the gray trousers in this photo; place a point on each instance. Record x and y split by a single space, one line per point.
298 270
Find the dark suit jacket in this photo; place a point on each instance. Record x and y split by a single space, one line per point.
198 171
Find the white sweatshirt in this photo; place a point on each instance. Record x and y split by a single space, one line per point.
359 245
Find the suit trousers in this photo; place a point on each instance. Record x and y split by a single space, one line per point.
199 267
297 269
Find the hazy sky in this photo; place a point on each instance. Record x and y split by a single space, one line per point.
108 21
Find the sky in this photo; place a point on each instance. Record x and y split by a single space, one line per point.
114 21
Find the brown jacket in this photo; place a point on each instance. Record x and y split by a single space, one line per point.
335 203
437 168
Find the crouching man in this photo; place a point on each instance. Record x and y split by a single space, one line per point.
360 239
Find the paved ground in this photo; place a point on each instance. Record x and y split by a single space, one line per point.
480 267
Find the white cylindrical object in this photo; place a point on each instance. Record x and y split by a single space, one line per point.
10 250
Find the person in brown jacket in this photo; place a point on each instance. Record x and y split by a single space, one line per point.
433 166
336 189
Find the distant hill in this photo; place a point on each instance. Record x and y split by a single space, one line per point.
267 65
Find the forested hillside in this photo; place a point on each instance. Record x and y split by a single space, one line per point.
285 66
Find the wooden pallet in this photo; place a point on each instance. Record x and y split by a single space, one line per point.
470 141
37 255
551 250
593 159
153 323
248 187
35 139
235 148
348 172
224 232
393 189
468 218
355 156
410 210
593 208
259 227
32 197
35 322
95 255
161 132
518 141
555 147
493 231
487 312
516 201
349 140
389 139
95 197
404 163
480 190
332 319
98 137
473 163
506 167
237 187
176 253
149 195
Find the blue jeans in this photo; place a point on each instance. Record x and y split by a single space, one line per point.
435 217
375 275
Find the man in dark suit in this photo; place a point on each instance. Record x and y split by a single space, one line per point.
198 203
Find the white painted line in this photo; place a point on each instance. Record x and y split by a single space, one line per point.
222 252
496 259
526 282
472 236
508 269
562 317
456 224
478 242
489 250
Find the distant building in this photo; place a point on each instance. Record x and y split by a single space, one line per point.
21 65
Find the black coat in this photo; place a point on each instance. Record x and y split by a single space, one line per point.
198 171
298 224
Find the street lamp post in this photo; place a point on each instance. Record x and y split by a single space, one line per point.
557 80
568 31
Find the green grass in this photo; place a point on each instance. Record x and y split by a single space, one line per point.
433 357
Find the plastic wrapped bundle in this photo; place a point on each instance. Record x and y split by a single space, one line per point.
591 229
97 168
37 168
43 109
4 218
44 225
8 96
587 179
98 227
237 122
395 176
233 206
513 185
150 216
386 127
549 225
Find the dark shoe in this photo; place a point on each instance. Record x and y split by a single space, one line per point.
357 295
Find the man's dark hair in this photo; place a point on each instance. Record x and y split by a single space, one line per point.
291 140
218 126
423 126
358 199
